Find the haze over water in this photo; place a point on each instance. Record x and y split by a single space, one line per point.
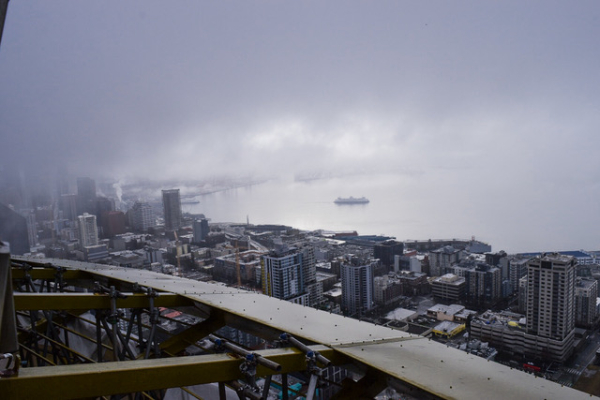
404 206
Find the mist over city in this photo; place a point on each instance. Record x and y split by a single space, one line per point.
248 182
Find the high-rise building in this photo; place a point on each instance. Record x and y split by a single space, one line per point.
141 216
548 332
282 275
88 231
172 209
86 195
550 296
201 229
68 206
357 285
551 300
62 181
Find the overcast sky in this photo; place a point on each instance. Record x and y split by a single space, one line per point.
506 92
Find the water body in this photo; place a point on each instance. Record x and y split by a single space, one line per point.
406 207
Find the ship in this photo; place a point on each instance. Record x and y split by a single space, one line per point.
351 200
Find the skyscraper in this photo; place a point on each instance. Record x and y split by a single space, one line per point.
86 195
68 206
551 304
357 285
172 209
88 231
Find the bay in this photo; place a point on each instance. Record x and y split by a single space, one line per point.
405 206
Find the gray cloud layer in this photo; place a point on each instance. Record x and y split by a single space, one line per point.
505 90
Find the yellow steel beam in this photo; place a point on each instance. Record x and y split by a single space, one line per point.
91 301
92 380
50 273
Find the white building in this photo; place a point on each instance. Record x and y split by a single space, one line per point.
88 231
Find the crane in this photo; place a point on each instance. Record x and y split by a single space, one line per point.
237 265
177 251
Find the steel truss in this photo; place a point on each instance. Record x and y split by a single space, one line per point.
58 305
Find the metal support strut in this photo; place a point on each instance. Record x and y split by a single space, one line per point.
311 357
247 367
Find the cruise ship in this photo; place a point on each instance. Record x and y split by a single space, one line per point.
351 200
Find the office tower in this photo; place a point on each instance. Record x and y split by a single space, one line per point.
357 285
68 206
201 229
88 231
141 216
282 275
13 229
86 195
172 209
